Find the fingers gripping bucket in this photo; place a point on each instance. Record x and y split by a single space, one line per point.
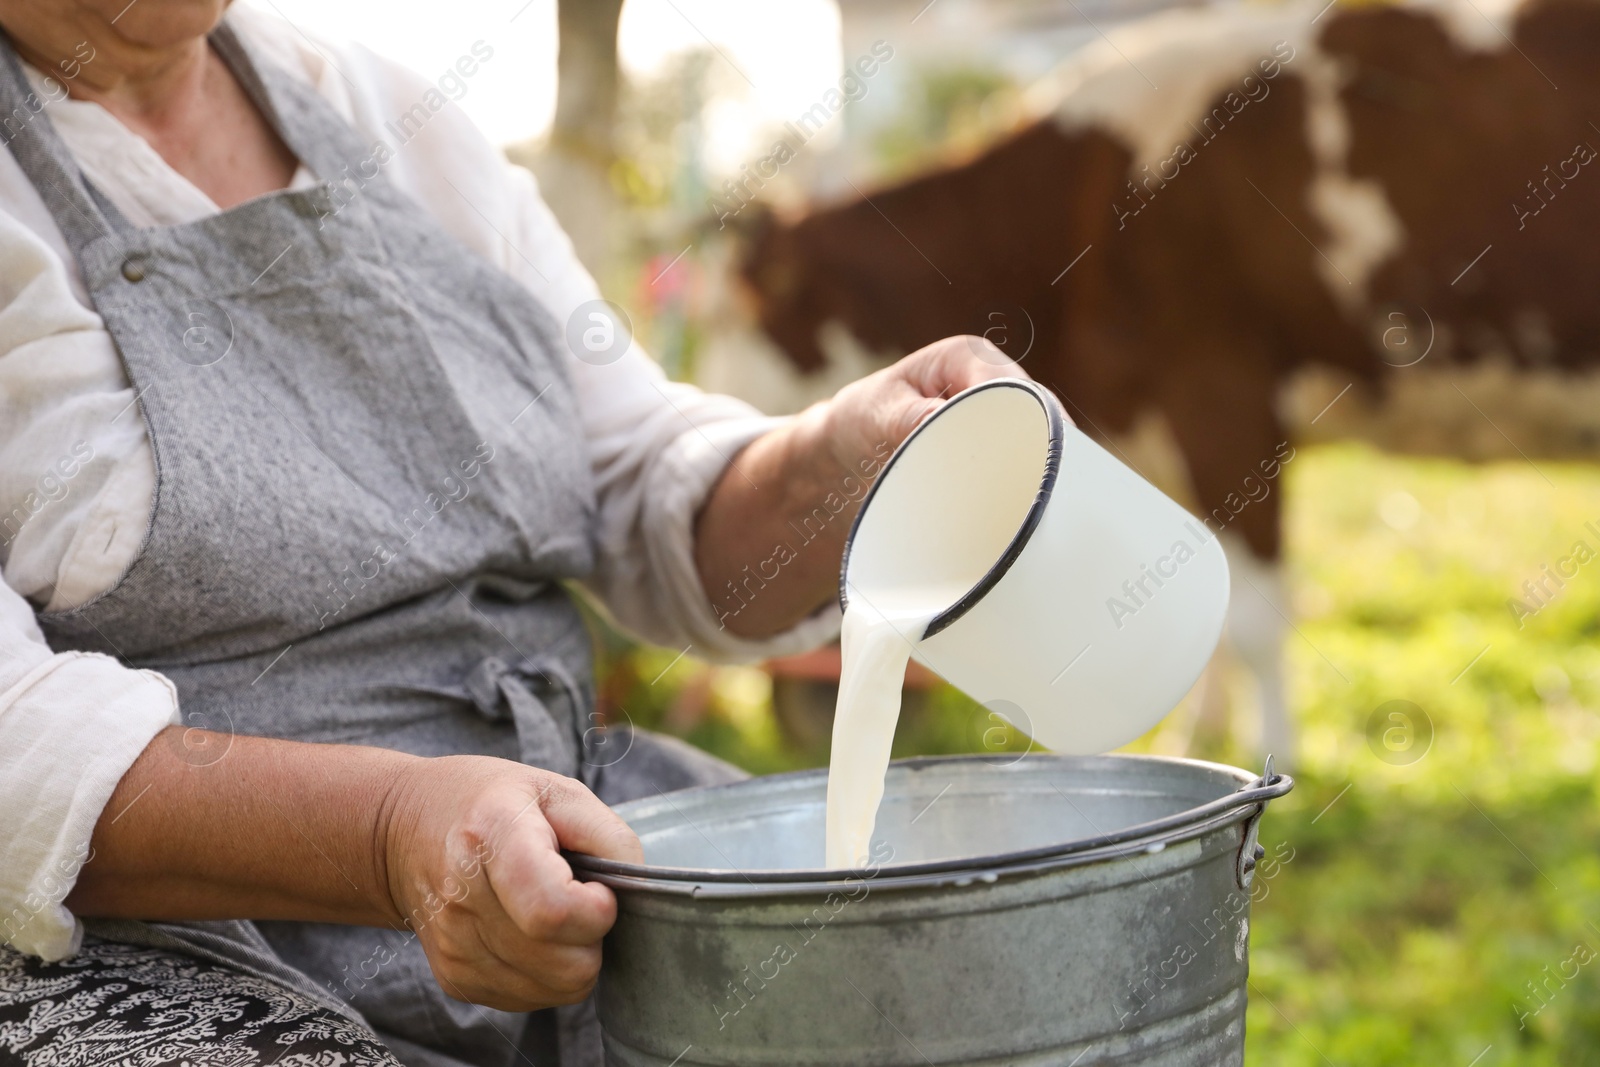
1055 910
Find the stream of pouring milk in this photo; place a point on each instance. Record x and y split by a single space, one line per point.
876 643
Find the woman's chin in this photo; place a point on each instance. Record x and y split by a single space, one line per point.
161 23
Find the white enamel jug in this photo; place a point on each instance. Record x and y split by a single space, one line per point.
1093 600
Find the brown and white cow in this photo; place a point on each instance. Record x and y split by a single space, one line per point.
1212 202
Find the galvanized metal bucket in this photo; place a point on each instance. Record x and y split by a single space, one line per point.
1067 911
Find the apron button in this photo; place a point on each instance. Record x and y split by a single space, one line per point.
133 269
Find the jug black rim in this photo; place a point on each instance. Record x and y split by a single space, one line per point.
1056 422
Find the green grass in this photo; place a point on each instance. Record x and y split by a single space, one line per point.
1422 896
1425 898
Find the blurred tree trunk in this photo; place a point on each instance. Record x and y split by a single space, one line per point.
574 169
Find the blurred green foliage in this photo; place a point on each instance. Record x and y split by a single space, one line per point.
1434 896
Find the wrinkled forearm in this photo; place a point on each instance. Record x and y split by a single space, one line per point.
770 537
212 826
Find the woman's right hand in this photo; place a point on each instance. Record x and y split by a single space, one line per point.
471 850
465 850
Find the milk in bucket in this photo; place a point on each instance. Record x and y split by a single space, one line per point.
1009 553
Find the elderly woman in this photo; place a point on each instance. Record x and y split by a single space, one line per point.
301 436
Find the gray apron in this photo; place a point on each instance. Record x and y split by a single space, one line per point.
371 484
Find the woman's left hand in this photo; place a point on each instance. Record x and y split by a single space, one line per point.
870 417
766 520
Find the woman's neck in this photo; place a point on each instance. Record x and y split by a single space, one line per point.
130 61
148 63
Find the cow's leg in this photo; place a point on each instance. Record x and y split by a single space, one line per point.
1258 624
1151 448
1236 451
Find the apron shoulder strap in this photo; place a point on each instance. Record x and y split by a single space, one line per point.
81 211
318 135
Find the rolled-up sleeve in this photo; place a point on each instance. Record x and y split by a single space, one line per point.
647 563
71 724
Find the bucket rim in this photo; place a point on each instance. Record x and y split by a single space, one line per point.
1055 426
1247 801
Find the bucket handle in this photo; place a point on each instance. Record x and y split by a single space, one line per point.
1268 786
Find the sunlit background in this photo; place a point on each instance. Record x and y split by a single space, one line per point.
783 56
1428 900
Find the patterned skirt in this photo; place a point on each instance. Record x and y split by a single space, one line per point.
127 1006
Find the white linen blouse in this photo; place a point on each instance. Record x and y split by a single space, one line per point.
77 476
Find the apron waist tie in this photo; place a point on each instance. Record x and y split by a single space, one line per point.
502 690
